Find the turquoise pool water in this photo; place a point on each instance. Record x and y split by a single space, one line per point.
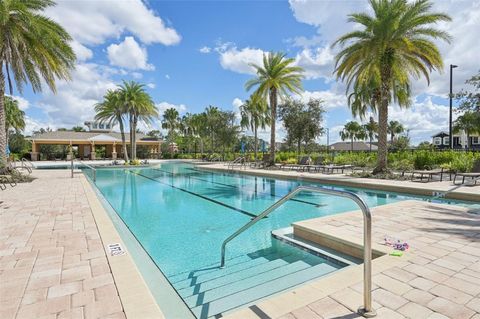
181 216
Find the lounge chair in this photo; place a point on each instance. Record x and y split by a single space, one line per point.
317 165
330 169
264 163
303 164
428 173
474 174
6 179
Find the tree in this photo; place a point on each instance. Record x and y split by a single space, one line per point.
394 128
469 122
303 121
276 77
171 122
212 119
425 145
155 134
254 114
371 129
14 117
378 59
140 107
352 131
32 48
470 101
111 110
226 131
78 129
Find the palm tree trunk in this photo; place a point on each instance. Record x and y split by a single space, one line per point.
273 106
124 144
256 142
3 135
298 146
131 135
370 144
382 138
134 138
351 145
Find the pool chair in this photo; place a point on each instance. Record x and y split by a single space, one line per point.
303 163
419 175
317 166
474 174
339 169
6 179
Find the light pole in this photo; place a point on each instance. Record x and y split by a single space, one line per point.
328 138
452 66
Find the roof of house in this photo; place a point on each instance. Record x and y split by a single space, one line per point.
357 146
442 133
88 136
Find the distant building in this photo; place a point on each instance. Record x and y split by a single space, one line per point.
442 141
94 126
347 146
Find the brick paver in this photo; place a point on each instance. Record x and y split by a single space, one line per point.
52 260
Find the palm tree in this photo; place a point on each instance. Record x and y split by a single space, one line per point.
254 114
371 129
469 122
140 107
171 121
212 115
378 59
111 111
394 128
14 117
276 77
352 131
32 48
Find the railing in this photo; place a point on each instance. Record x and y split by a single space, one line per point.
94 170
239 160
366 310
26 164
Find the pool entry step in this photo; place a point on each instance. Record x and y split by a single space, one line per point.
212 291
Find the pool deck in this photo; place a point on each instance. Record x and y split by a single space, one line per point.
468 193
54 262
53 257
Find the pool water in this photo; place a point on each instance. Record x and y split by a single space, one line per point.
181 216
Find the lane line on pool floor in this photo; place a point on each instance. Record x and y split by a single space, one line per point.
198 195
238 188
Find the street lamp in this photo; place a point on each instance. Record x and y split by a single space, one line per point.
328 137
452 66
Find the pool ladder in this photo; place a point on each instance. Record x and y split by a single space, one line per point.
94 170
366 310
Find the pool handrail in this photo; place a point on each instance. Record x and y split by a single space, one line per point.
239 160
28 167
367 310
94 170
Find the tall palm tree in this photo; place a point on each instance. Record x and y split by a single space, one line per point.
469 122
371 129
352 131
32 48
14 117
111 111
394 128
254 114
140 107
171 121
212 116
276 78
378 59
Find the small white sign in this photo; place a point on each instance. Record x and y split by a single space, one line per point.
116 249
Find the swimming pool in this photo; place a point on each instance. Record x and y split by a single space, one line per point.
181 216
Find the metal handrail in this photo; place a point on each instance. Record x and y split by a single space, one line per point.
94 170
366 310
24 162
238 160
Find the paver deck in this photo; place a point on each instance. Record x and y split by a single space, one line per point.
52 259
439 277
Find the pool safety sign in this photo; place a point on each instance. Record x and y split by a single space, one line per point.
116 249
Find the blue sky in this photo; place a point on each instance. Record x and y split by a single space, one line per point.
192 54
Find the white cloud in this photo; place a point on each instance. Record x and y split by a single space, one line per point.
129 54
32 125
236 103
233 59
317 62
23 104
330 98
96 21
82 52
151 85
205 49
167 76
162 106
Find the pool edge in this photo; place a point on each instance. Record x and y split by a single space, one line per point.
136 297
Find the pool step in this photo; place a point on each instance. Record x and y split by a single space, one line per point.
247 279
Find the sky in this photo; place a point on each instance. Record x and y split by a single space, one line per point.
191 54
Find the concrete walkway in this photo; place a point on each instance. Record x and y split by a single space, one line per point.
52 260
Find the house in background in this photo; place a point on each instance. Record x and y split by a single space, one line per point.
442 141
347 146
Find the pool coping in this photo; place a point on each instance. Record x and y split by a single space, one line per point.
136 298
367 183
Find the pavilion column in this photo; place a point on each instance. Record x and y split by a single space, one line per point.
35 154
70 152
92 153
114 151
